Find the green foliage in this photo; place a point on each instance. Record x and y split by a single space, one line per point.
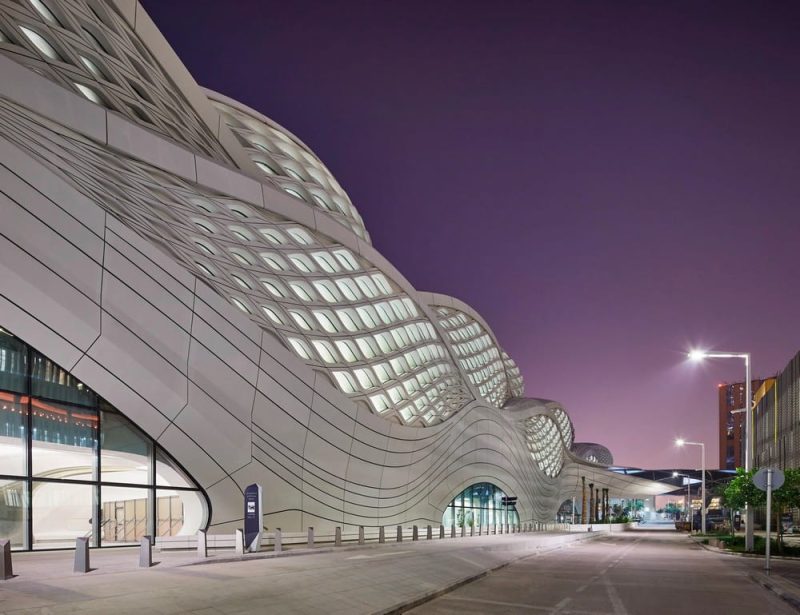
741 491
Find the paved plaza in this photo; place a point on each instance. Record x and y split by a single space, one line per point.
636 572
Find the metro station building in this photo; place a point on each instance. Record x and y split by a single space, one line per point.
190 303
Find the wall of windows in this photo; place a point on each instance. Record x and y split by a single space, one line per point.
480 505
72 465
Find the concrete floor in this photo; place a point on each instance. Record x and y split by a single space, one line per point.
638 572
632 573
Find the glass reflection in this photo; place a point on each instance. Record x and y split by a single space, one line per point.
13 512
62 512
480 505
125 452
70 434
64 440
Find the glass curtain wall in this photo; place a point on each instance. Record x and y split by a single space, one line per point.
480 505
71 465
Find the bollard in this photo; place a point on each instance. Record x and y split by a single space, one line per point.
399 533
480 529
430 533
202 544
239 542
507 528
471 530
415 533
145 552
81 555
278 540
6 571
361 534
310 537
381 535
463 531
501 528
494 531
452 531
441 532
338 539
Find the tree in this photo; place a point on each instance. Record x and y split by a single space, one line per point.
741 491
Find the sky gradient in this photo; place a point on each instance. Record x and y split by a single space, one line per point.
608 184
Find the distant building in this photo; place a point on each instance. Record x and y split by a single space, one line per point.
777 419
731 397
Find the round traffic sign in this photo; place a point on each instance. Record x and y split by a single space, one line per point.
760 478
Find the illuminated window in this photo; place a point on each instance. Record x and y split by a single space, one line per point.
205 269
326 262
92 68
265 167
241 305
301 319
272 236
272 315
345 382
368 347
241 282
204 247
301 290
347 349
89 93
294 193
202 224
300 236
273 288
349 289
325 350
45 12
292 173
302 262
242 258
347 260
41 43
348 318
301 348
326 321
325 289
274 261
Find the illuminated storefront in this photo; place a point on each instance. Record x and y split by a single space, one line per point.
71 465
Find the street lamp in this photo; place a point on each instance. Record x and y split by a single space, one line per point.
699 355
682 442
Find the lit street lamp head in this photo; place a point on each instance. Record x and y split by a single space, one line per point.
697 355
680 442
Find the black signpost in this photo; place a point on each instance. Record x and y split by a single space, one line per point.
253 516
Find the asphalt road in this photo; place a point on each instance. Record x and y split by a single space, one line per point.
632 573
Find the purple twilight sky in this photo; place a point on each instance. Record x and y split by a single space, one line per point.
607 183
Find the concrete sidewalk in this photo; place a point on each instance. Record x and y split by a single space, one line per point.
368 579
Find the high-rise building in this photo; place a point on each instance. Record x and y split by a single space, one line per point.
777 419
731 443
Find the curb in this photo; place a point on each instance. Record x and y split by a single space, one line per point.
411 603
779 586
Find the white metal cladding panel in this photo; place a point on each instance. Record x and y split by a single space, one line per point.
163 341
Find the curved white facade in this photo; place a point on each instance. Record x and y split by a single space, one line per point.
242 320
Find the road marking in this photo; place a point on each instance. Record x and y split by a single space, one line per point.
580 589
378 555
613 596
517 605
560 606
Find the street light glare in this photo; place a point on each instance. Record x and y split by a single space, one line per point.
697 355
674 474
680 441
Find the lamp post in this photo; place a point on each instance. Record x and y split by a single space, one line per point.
699 355
682 442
